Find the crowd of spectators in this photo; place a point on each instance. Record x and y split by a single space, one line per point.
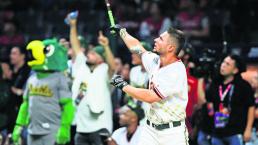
206 22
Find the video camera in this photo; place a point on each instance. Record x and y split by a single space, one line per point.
206 64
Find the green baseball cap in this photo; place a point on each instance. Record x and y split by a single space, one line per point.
99 50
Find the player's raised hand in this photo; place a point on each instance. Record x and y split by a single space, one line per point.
103 40
71 18
116 28
118 81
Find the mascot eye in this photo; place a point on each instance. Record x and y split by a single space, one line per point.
49 50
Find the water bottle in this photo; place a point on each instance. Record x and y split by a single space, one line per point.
72 15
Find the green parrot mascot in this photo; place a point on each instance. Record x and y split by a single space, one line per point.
47 107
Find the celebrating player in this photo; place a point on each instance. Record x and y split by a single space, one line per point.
167 93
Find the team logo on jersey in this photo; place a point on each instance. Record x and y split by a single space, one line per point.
82 90
83 87
42 90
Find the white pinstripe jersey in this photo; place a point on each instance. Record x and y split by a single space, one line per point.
170 84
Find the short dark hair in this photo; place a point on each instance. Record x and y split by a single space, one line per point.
239 63
179 36
21 49
138 111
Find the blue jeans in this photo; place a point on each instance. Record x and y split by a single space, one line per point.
231 140
5 136
203 138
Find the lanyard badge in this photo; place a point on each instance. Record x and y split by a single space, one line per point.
221 117
222 96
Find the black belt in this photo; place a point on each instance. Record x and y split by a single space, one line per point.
164 126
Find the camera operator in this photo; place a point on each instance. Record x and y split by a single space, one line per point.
232 100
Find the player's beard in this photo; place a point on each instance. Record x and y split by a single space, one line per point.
90 63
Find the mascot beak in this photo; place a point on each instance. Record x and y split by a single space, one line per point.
36 53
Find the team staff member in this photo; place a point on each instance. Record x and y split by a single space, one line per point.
233 101
167 93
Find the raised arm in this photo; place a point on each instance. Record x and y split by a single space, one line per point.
132 43
103 40
75 43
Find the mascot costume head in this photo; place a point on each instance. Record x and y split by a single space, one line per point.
47 55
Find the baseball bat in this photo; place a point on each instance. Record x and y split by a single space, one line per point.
110 16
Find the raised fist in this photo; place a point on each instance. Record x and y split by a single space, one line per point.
102 39
115 29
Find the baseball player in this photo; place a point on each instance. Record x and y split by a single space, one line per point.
167 93
129 133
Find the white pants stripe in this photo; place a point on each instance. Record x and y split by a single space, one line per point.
171 136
